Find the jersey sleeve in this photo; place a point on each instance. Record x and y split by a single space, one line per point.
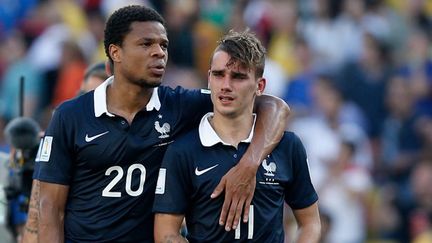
300 193
55 155
174 186
193 105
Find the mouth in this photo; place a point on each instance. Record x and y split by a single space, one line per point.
225 99
158 69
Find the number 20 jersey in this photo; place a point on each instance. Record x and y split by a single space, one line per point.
110 166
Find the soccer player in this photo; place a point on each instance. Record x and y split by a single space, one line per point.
101 153
195 162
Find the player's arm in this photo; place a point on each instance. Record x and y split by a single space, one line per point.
30 233
51 212
167 228
239 182
309 225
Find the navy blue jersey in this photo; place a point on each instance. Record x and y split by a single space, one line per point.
195 163
111 167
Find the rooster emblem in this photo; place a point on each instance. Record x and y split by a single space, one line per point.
270 168
163 130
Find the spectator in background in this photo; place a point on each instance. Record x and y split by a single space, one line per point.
401 145
333 119
298 91
420 212
71 73
369 75
344 197
13 50
417 68
400 140
94 76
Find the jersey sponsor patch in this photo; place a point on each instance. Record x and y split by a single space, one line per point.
205 91
46 149
160 185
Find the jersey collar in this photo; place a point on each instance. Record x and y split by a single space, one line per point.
100 102
209 137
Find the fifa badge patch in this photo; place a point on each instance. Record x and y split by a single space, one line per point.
160 185
45 153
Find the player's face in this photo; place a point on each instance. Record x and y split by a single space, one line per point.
233 87
143 55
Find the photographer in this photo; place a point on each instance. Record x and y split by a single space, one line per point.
23 136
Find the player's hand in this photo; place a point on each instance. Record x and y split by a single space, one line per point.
239 186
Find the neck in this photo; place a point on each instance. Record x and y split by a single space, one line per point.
232 130
125 99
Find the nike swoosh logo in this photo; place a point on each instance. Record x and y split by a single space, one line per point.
200 172
89 139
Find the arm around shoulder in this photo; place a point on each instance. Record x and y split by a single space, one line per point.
272 119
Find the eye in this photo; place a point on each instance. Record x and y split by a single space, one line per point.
164 46
146 44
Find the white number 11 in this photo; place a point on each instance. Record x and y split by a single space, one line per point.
250 225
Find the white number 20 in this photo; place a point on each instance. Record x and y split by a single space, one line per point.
107 191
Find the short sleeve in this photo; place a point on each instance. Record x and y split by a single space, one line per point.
174 187
56 154
193 105
300 193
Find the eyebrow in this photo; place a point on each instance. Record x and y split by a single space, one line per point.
151 39
239 74
217 71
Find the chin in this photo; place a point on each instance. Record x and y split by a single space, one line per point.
150 83
227 112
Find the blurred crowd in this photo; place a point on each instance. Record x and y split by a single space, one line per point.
357 75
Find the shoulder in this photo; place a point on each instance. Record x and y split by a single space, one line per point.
289 139
74 107
186 142
166 91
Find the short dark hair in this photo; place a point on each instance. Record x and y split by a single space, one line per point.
118 24
245 48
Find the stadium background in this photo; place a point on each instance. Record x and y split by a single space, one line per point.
356 73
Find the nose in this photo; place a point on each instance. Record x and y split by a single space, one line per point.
226 83
158 51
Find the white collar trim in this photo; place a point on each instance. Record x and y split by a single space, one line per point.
100 99
209 137
154 102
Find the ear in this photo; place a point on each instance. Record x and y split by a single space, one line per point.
114 52
260 86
